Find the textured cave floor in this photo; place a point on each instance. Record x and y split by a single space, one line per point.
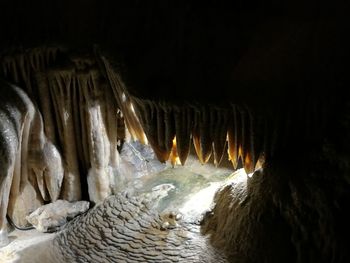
25 244
195 185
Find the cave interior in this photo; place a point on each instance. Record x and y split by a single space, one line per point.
258 87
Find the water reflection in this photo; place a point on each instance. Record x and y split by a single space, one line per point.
194 184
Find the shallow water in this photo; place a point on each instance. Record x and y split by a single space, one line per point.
194 184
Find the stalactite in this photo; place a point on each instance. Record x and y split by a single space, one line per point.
83 145
25 71
169 127
158 122
174 157
13 70
80 114
219 135
45 161
201 134
61 87
196 137
111 122
247 154
152 130
118 88
45 104
211 128
257 137
80 102
232 137
206 139
34 157
183 127
21 66
161 131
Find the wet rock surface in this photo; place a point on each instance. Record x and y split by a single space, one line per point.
127 229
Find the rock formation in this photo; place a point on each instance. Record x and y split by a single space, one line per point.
127 229
276 75
51 217
31 168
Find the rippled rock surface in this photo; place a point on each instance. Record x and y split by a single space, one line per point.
127 229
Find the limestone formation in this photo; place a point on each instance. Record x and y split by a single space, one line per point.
247 211
210 127
127 229
31 168
261 83
77 110
52 216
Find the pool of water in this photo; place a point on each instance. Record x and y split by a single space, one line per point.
194 184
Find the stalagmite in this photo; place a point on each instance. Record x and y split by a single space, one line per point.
99 146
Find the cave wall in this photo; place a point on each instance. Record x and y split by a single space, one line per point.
60 131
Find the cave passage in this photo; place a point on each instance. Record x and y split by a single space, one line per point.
111 107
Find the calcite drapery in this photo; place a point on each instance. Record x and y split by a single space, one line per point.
73 108
31 168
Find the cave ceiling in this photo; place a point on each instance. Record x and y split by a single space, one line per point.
270 57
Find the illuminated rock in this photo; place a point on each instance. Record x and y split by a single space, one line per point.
128 229
52 216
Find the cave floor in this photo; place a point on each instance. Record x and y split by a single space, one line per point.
192 189
23 244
